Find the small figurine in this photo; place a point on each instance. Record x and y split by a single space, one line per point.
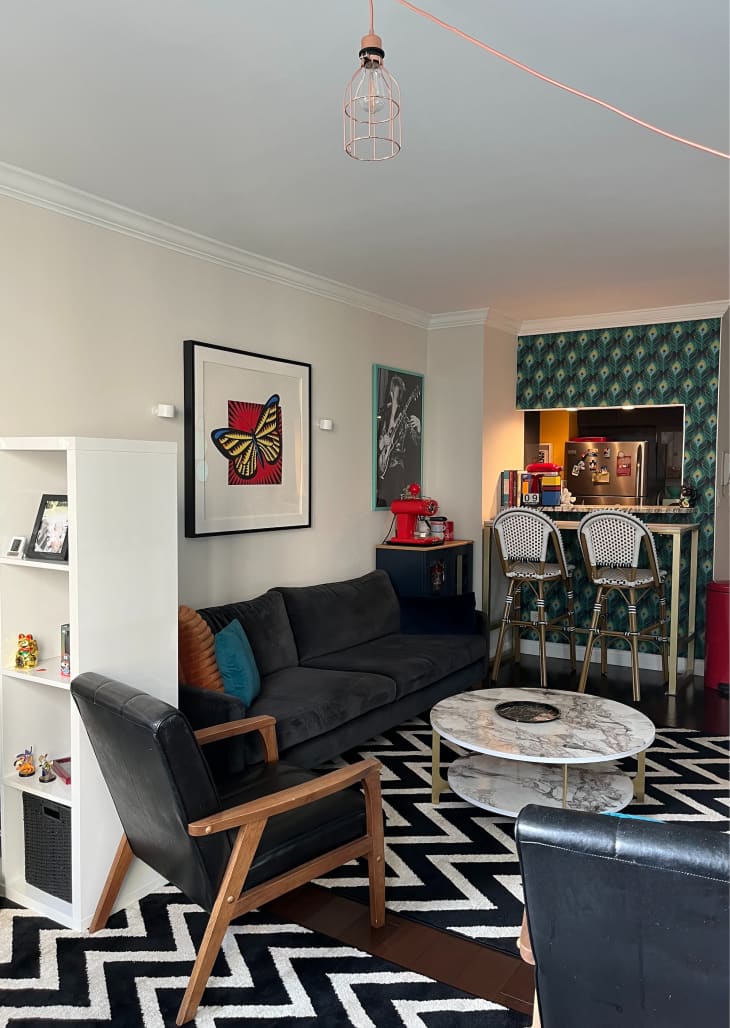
687 496
46 767
23 763
26 656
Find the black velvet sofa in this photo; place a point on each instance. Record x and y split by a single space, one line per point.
336 667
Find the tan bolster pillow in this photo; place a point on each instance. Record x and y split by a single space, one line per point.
196 651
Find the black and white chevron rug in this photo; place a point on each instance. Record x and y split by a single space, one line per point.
133 974
453 866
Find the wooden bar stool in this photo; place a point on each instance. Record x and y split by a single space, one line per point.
611 542
523 537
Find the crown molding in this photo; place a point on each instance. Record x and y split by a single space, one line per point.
458 319
502 322
27 187
624 319
39 191
480 316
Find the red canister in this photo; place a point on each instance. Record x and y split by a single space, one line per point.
717 622
448 531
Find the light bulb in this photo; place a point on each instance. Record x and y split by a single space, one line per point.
370 99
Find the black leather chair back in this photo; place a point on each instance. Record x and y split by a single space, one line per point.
159 782
628 920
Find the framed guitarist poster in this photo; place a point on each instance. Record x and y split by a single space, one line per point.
397 433
247 466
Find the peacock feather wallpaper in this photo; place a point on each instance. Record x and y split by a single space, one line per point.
664 364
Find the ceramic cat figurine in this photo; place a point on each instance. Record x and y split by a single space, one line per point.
26 656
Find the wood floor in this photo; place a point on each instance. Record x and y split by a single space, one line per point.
470 966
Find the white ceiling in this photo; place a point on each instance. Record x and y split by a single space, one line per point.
223 117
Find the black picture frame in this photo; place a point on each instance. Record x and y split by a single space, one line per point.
397 448
232 486
49 538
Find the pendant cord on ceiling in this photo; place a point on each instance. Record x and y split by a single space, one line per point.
555 82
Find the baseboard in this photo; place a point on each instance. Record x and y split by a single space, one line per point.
616 658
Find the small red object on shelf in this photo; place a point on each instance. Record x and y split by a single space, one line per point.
62 767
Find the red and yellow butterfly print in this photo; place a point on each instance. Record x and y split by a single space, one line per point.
252 443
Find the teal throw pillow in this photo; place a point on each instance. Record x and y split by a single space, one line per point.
237 663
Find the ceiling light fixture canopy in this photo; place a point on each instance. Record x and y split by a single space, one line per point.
372 105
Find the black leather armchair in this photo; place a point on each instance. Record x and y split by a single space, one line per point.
628 920
277 826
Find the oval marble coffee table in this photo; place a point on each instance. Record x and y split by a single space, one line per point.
513 763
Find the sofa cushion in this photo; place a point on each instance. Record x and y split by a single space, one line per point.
337 615
265 622
439 615
307 702
197 663
237 663
412 661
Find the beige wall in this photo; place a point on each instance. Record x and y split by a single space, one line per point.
721 569
453 431
502 424
91 330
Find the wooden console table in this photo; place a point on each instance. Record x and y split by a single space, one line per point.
677 532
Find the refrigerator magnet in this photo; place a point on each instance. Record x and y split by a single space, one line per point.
623 466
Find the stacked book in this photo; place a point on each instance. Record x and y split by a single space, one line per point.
508 485
516 489
523 489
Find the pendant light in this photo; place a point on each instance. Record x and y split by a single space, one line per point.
372 105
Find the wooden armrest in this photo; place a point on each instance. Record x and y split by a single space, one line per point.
523 943
263 723
287 799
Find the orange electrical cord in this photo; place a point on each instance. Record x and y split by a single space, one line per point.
560 85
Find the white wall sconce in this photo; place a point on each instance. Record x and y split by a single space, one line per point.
326 424
164 410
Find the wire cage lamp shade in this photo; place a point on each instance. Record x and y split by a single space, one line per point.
372 107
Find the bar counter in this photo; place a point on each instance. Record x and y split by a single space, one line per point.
586 508
677 530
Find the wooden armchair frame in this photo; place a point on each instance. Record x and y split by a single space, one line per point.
250 819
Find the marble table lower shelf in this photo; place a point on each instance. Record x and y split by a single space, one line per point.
506 786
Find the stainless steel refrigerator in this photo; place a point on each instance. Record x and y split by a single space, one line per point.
611 474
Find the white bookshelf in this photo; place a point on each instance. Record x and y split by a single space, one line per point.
118 592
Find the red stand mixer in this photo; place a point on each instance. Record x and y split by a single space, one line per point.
408 512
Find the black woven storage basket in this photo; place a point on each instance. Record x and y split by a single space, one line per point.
47 845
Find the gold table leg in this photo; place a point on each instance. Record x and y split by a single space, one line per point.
438 784
690 669
640 777
565 785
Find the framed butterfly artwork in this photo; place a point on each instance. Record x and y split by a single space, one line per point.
247 441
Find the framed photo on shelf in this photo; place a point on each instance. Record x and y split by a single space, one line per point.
16 547
49 538
397 433
544 453
247 441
